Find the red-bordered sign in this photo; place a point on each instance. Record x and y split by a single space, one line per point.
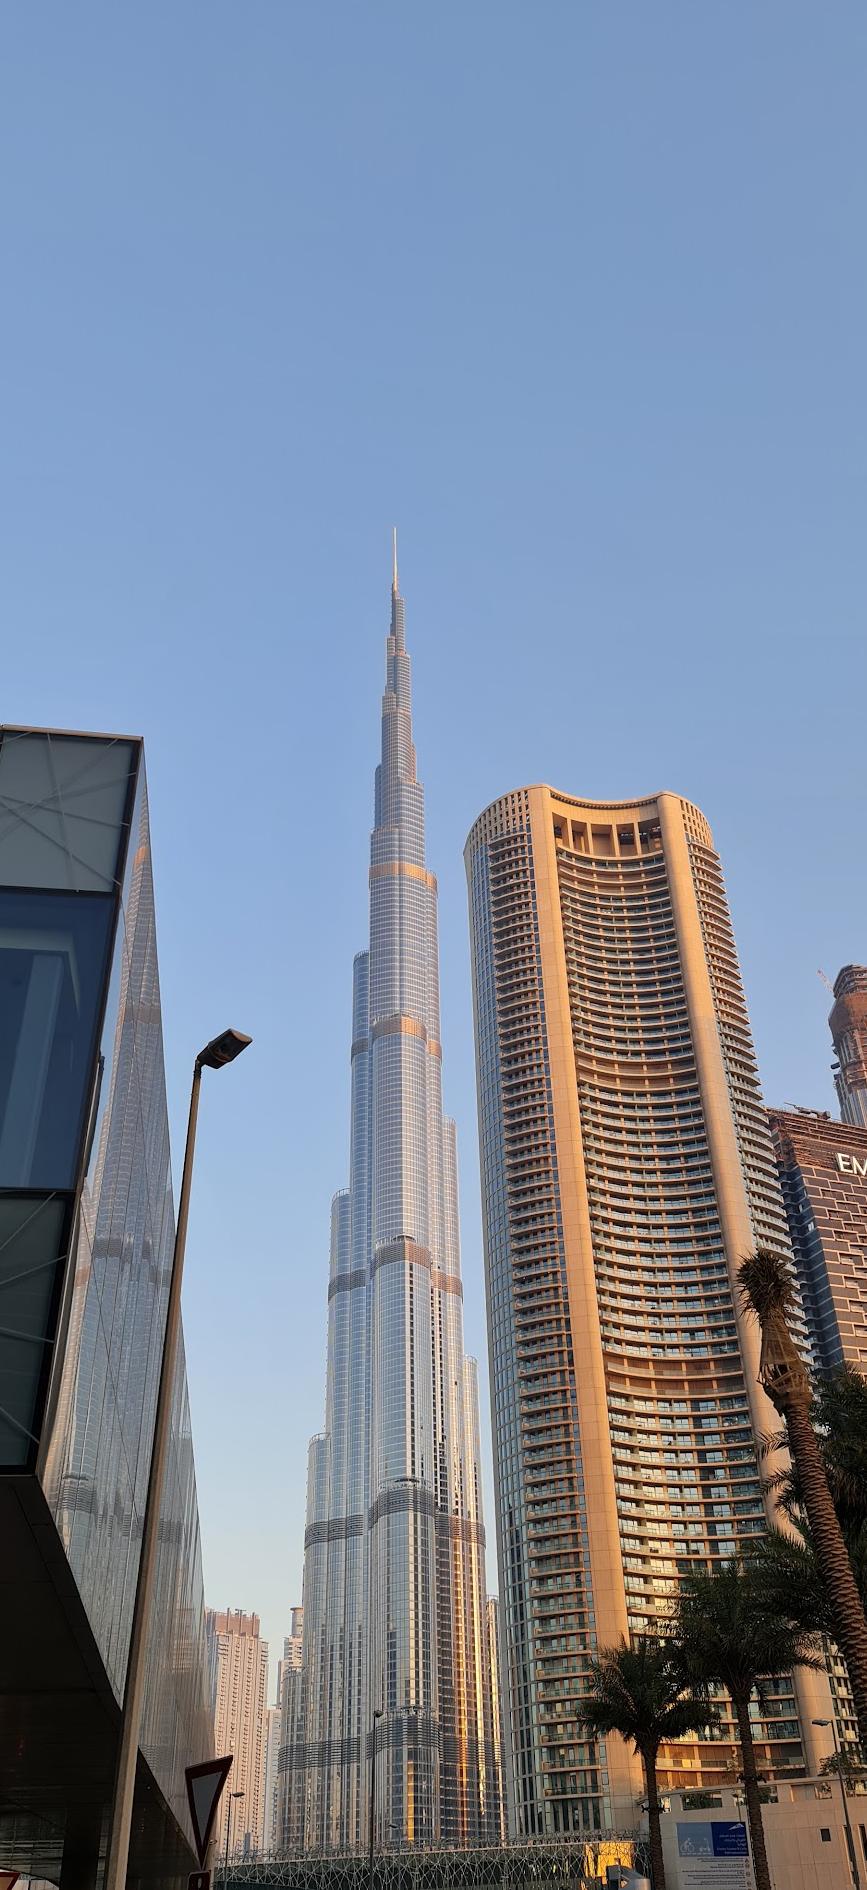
204 1790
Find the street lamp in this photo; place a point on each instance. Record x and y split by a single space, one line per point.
853 1861
221 1050
741 1802
377 1714
232 1795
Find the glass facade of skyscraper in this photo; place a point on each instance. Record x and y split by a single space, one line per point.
626 1169
395 1644
86 1244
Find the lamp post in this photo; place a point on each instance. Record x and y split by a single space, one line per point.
232 1795
221 1050
853 1860
741 1802
377 1714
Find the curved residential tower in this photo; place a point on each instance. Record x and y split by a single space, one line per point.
394 1580
626 1169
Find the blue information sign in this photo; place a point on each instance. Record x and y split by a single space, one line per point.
729 1840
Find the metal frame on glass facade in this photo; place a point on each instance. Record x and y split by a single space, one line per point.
82 1096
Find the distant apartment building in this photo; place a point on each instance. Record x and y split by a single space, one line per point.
848 1021
240 1680
823 1172
627 1167
293 1646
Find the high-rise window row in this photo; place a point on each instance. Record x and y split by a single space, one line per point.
626 1169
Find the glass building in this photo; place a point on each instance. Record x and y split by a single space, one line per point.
86 1238
395 1641
493 1624
626 1169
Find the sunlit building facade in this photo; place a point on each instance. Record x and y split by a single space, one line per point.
626 1169
823 1174
239 1666
394 1578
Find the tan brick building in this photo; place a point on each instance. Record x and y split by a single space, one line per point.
823 1170
240 1680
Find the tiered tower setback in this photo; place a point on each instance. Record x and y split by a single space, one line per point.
395 1643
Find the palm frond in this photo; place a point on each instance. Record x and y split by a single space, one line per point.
768 1443
765 1280
639 1690
732 1631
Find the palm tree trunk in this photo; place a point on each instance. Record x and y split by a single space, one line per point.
752 1795
850 1625
657 1866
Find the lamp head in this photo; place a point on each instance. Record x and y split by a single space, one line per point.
220 1050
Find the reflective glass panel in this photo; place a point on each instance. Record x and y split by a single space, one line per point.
53 949
63 801
32 1245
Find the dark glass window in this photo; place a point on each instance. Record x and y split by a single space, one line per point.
32 1252
53 950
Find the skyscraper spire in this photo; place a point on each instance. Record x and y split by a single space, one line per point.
394 1569
398 608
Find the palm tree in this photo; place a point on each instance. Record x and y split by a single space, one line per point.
767 1286
839 1419
786 1570
726 1635
640 1692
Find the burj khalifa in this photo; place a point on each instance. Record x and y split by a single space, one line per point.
395 1648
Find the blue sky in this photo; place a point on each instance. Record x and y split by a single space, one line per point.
577 295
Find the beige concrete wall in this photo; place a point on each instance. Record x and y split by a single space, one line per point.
798 1857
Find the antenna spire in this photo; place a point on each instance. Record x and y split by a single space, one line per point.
394 584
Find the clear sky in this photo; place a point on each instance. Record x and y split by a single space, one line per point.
575 291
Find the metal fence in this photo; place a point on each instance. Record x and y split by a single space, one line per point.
562 1864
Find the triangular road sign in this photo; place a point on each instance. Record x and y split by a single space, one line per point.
8 1878
204 1787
